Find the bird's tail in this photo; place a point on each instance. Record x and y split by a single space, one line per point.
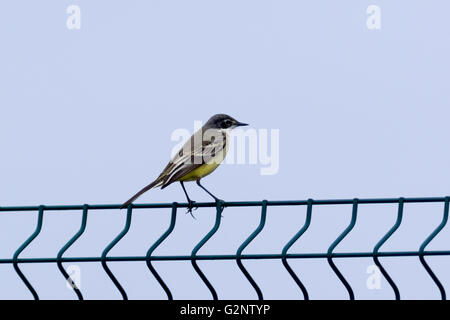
137 195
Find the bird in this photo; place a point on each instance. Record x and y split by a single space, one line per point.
198 157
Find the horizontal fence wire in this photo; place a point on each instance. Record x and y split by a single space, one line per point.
239 257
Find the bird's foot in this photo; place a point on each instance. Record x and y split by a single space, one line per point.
191 207
221 205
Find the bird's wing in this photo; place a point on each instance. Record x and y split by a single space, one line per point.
191 156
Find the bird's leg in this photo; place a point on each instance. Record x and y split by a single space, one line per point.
215 198
190 202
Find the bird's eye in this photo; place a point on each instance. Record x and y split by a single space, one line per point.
226 124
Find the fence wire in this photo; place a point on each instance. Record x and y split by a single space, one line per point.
284 256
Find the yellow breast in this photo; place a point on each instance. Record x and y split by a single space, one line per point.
206 168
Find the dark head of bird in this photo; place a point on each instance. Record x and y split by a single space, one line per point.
223 121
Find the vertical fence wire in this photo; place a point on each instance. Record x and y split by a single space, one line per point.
383 240
22 247
110 246
246 243
219 209
67 246
157 243
427 241
334 245
289 245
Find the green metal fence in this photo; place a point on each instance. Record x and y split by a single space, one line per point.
265 205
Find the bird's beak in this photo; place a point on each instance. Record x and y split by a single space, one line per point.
241 124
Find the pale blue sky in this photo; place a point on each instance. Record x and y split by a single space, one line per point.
87 117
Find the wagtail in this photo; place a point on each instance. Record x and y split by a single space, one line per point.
198 157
